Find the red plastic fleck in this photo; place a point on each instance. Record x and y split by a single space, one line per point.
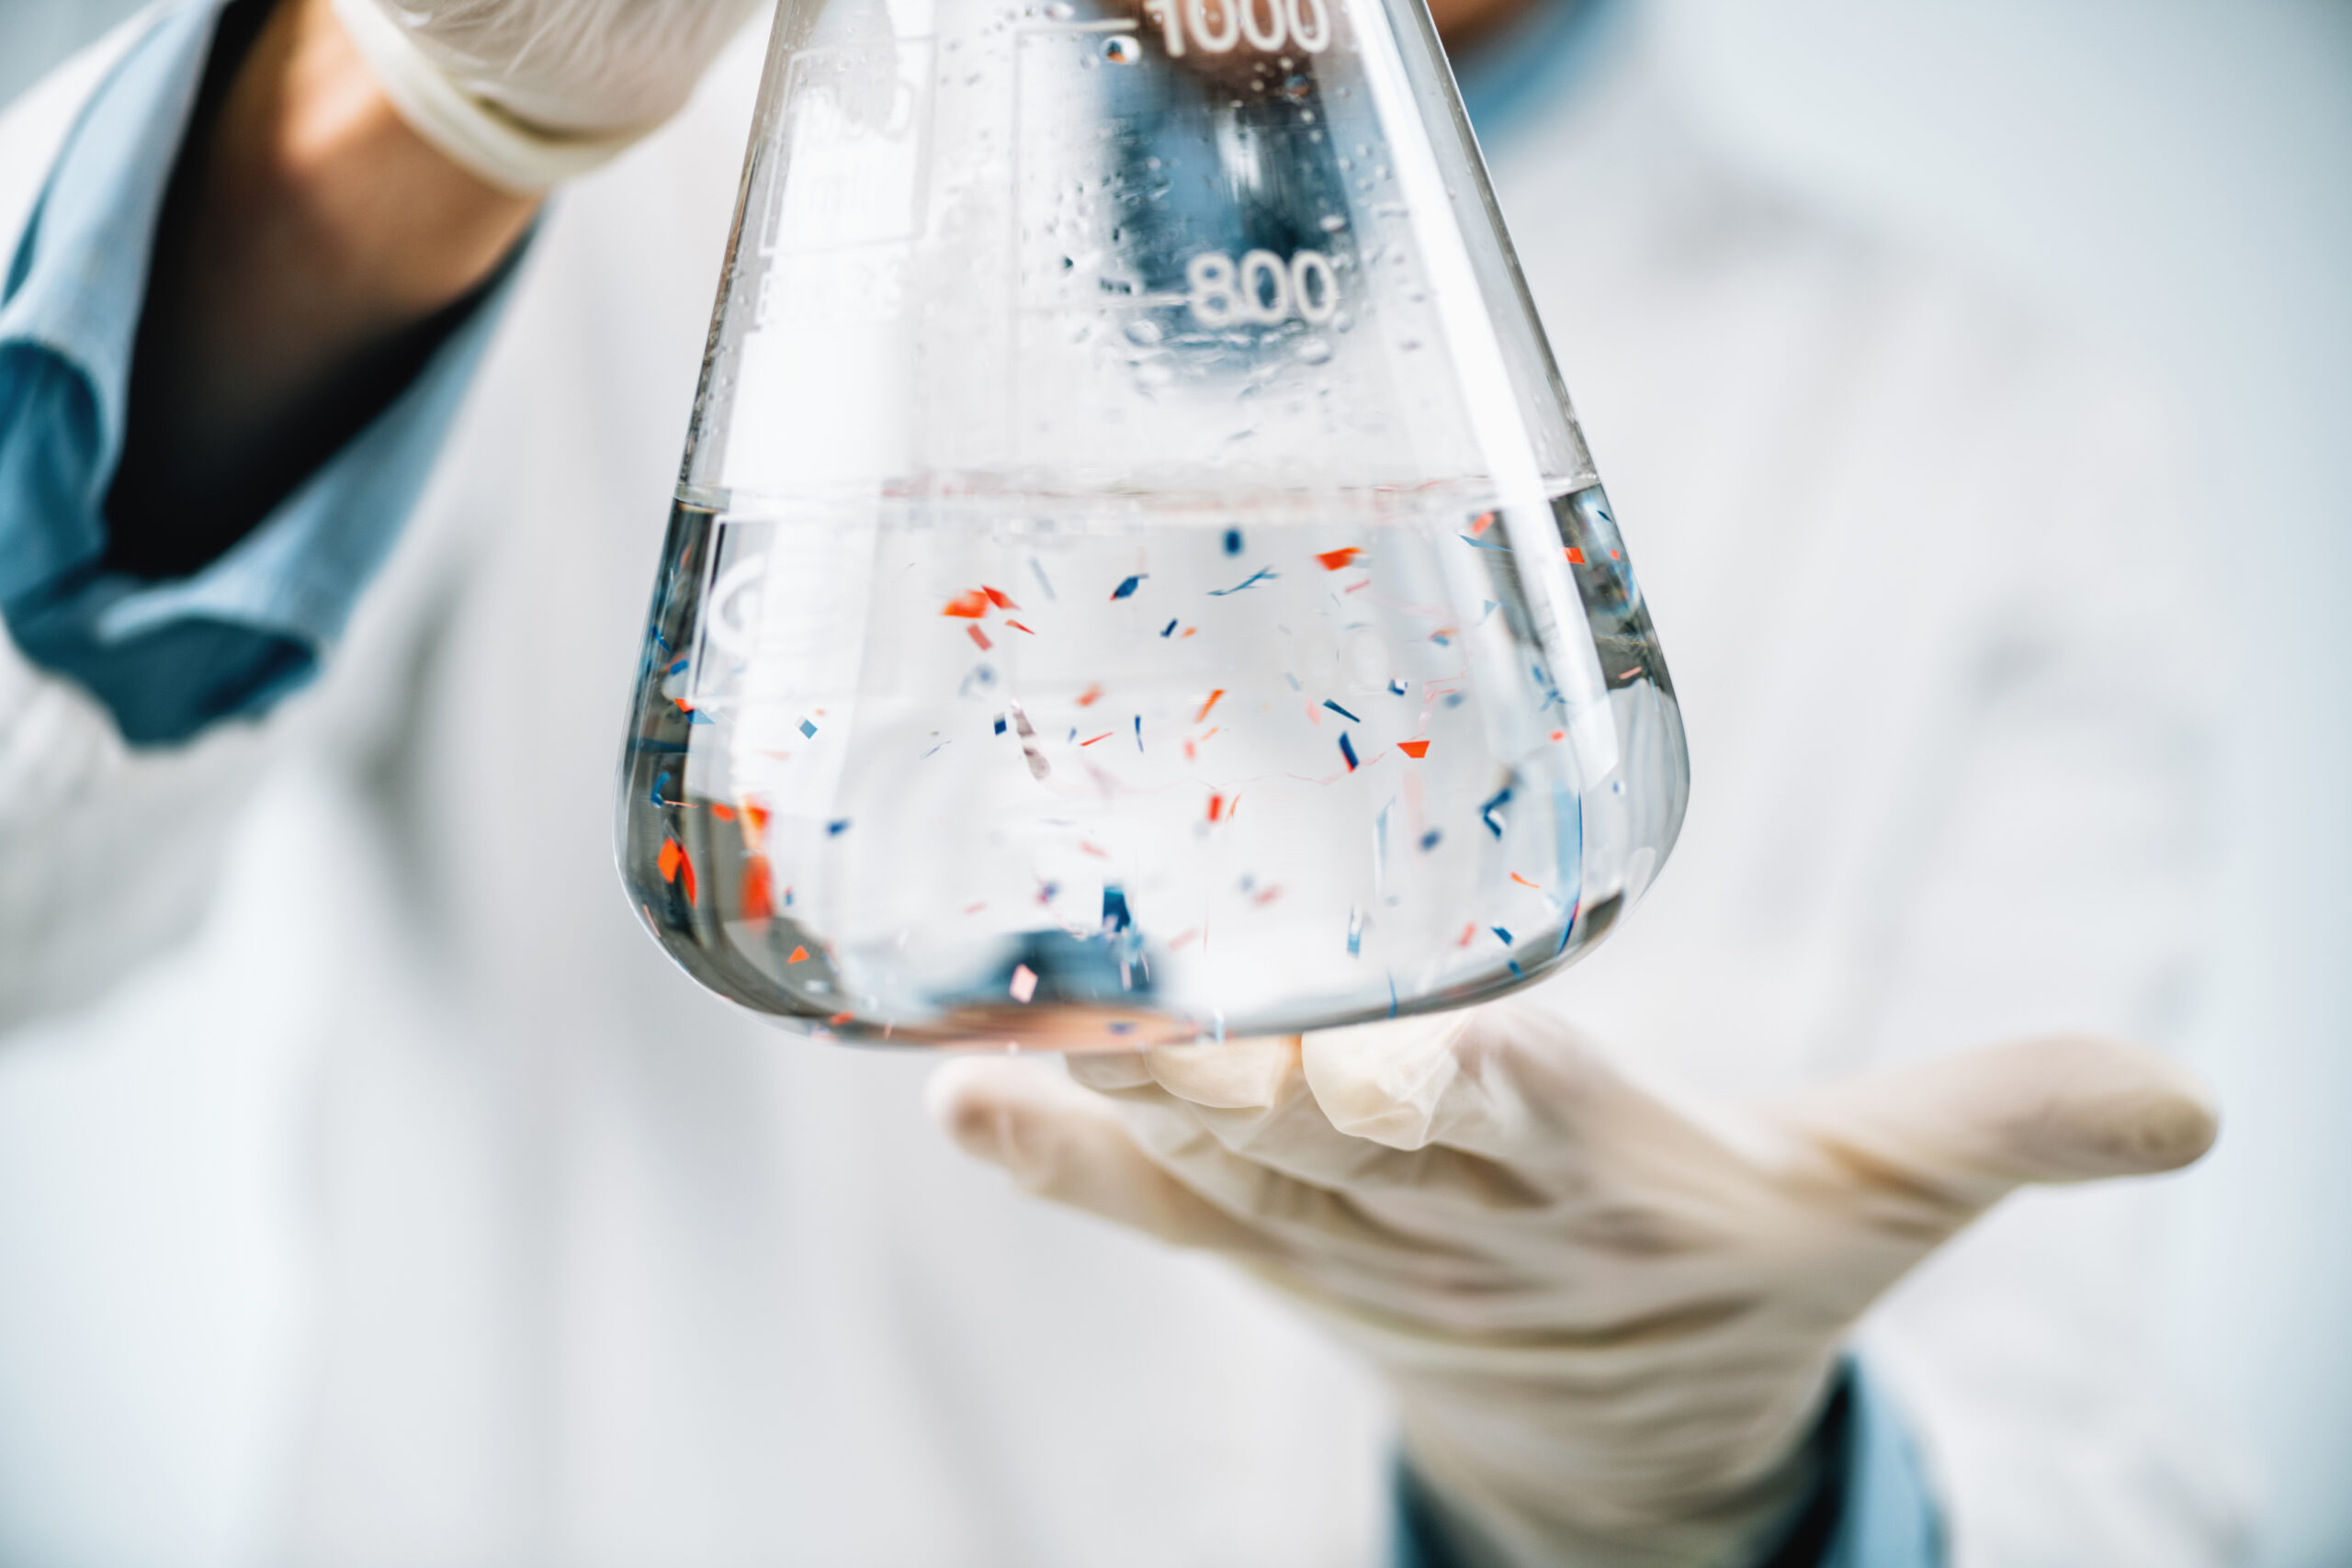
1334 559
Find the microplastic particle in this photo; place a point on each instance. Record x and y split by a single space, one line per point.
1468 931
981 637
999 724
1443 637
1486 812
1576 556
800 956
1484 521
1502 933
1392 995
1138 732
1334 560
1395 688
1414 748
1167 629
1293 682
1340 711
997 598
1482 544
1128 586
1263 574
1355 932
839 1017
1233 541
1454 699
1038 566
679 668
1087 698
758 903
1104 736
1349 753
1020 627
696 716
808 729
967 606
1216 806
669 859
1491 607
836 827
659 780
1214 694
1515 969
1115 908
1524 883
1025 983
1430 839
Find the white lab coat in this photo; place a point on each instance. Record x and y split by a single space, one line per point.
548 1258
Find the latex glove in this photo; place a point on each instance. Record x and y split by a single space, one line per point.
1611 1321
525 93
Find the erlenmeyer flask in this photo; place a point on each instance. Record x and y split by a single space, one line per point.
1135 574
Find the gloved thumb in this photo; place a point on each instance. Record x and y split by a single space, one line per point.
1970 1127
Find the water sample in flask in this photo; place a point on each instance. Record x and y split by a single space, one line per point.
1135 576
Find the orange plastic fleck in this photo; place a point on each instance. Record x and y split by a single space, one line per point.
1479 524
723 811
1576 555
800 956
1016 626
1524 883
970 606
1415 748
1089 697
669 859
1207 706
1334 559
758 902
1216 806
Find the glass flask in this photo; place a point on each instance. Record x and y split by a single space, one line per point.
1135 576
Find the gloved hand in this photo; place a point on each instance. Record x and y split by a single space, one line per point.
1610 1320
525 93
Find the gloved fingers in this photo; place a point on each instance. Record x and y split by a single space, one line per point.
1254 1098
1061 1143
1960 1132
1509 1082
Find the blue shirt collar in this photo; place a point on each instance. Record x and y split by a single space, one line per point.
79 276
1538 57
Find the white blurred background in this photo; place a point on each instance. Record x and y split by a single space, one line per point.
2174 175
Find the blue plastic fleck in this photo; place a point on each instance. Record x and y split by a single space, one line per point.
1262 574
1430 839
807 728
834 828
1349 753
1233 541
1169 627
1340 711
1486 812
1127 586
